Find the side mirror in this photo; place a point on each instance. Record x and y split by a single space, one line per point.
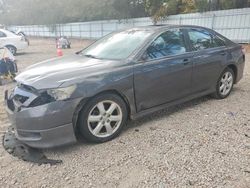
144 57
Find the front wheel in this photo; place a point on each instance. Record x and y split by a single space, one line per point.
103 118
224 84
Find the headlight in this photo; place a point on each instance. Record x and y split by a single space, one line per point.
61 93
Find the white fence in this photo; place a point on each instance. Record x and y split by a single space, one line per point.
234 24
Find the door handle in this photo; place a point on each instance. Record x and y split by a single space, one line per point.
186 61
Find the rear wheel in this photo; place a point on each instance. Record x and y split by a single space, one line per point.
224 84
103 118
12 49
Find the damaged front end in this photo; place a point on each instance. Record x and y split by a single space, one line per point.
42 118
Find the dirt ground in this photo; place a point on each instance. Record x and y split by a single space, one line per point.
202 143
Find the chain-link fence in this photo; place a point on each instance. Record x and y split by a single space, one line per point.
234 24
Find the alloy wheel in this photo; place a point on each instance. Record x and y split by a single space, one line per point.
226 83
104 119
12 50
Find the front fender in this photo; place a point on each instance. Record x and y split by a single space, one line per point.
119 80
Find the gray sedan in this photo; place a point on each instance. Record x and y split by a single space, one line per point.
126 74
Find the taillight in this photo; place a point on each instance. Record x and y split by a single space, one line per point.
243 49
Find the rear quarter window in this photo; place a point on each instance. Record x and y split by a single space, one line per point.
201 39
218 41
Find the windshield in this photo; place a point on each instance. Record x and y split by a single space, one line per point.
117 46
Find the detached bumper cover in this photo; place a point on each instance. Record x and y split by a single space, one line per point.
44 126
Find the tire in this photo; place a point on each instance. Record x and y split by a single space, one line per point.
228 85
95 119
12 49
15 67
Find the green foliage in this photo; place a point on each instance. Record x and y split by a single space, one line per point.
187 6
129 8
22 12
202 5
209 5
157 9
57 11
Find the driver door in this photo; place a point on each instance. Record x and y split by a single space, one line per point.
165 73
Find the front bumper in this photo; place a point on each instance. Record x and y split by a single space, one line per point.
43 126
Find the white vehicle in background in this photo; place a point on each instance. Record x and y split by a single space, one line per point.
12 41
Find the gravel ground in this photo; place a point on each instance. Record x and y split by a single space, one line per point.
202 143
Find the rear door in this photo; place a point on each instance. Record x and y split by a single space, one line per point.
209 56
164 75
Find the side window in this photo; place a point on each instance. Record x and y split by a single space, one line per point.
168 43
2 34
200 39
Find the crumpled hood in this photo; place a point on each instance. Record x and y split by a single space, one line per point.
54 72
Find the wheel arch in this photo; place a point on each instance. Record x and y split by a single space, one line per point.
235 70
84 101
11 45
121 95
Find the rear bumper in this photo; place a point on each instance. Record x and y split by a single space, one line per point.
44 126
22 45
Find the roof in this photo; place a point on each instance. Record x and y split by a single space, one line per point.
164 26
159 28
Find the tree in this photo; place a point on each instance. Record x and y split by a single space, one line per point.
156 9
159 9
241 3
201 5
129 8
57 11
187 6
23 12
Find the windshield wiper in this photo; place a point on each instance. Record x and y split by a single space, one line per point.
91 56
